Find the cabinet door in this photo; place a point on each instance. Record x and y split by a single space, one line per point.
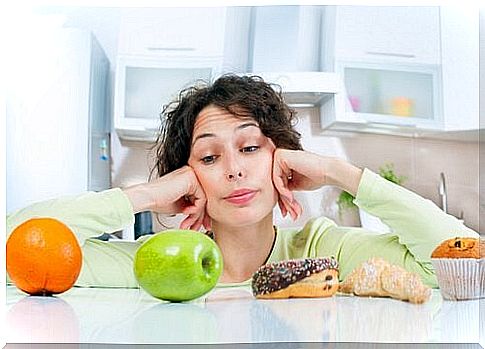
460 49
144 85
393 94
172 31
388 34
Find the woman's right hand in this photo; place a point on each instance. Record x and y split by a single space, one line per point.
176 192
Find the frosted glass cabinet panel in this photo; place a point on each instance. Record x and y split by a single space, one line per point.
397 93
149 89
394 93
144 85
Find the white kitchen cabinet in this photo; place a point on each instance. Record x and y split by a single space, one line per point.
172 31
390 61
390 98
407 70
460 67
160 52
144 85
405 34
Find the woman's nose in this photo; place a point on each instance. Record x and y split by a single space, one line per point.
233 176
234 170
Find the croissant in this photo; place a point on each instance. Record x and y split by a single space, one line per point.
378 278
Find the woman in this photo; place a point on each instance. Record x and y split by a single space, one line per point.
226 155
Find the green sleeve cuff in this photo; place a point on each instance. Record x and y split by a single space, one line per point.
121 206
366 187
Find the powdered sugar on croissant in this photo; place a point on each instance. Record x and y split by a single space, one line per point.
378 278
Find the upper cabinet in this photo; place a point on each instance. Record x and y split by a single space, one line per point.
406 70
403 70
162 51
388 34
172 31
460 67
145 85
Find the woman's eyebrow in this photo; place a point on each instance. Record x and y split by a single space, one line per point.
238 128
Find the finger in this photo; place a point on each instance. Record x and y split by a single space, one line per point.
188 222
281 186
286 191
198 223
199 204
297 208
184 224
277 176
192 209
199 209
281 175
293 214
207 221
283 209
196 208
198 194
290 208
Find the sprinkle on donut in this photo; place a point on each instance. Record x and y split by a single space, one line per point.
275 276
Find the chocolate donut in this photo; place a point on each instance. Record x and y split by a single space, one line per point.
308 277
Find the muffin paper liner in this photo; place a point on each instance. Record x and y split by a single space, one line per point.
460 278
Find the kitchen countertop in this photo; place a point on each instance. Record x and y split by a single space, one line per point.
232 315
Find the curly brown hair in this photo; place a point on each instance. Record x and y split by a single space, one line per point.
242 96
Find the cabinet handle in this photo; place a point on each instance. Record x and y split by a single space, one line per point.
390 54
170 49
378 124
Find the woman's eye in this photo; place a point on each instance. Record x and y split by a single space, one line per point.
250 149
207 160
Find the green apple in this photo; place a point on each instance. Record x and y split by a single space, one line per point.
178 265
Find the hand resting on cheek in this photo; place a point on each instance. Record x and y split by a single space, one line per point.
298 170
176 192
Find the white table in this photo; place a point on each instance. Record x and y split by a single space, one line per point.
232 315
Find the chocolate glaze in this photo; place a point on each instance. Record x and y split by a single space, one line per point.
275 276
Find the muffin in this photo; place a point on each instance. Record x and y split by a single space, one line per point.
460 268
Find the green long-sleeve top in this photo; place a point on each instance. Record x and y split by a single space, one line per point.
417 225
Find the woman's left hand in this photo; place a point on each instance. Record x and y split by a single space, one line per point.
297 170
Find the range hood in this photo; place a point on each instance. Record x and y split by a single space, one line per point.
305 89
285 46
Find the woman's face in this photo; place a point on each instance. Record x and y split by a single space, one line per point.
233 161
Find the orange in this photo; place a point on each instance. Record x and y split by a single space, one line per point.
43 257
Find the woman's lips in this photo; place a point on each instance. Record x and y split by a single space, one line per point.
242 199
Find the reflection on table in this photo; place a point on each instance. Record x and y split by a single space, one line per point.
233 315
